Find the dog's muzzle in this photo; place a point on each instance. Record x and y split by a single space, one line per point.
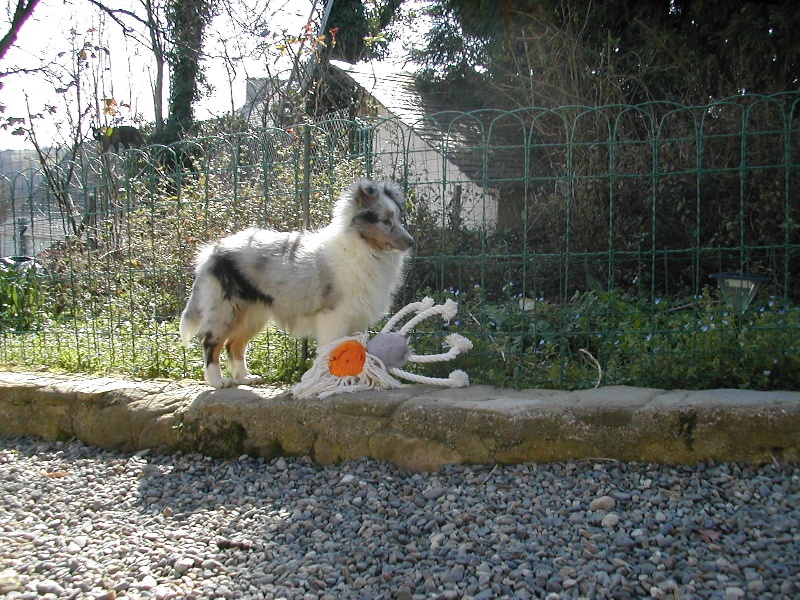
403 244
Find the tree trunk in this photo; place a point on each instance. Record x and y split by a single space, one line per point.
187 20
157 45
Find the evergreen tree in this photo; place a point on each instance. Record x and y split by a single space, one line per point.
581 51
356 30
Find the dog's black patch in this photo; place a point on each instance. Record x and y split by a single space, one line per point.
208 348
234 284
329 294
263 261
369 216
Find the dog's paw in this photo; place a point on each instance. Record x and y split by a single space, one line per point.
227 382
250 380
221 382
213 377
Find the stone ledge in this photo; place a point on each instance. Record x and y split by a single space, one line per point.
417 427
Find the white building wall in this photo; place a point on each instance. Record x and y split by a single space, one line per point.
450 194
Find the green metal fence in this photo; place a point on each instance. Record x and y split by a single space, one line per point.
580 241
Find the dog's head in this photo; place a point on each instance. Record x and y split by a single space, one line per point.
378 210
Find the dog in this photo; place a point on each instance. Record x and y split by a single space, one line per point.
114 137
324 284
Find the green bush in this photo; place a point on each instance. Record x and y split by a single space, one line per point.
22 294
612 338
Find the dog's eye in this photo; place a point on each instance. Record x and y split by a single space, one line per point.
387 222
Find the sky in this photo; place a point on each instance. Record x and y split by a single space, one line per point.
60 27
126 69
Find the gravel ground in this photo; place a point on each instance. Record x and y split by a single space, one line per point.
79 522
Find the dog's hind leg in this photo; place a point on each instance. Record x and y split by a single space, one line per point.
249 323
237 357
212 348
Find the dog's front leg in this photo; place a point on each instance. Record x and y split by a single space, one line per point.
331 326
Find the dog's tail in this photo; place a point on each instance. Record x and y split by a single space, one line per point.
190 320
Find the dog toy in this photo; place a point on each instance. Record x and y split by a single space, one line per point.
357 363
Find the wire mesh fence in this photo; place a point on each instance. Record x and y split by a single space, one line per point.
580 241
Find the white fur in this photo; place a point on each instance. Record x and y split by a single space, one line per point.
325 284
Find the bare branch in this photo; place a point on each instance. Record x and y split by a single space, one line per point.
115 12
21 13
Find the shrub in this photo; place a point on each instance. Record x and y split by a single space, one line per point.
22 296
612 338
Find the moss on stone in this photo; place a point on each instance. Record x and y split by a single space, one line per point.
223 439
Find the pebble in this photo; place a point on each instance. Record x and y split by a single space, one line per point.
83 523
9 581
49 587
603 503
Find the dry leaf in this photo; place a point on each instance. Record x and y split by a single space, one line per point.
54 474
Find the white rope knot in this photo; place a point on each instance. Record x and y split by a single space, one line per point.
457 343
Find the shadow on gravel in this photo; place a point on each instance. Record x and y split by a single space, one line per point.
188 526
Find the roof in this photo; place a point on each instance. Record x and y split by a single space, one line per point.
391 85
437 117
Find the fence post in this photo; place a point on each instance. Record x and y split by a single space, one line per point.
305 196
24 236
306 191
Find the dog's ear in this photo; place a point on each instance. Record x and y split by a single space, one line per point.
395 192
366 192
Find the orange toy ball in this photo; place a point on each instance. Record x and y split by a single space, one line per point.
348 358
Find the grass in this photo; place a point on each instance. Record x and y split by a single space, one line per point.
596 339
144 350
